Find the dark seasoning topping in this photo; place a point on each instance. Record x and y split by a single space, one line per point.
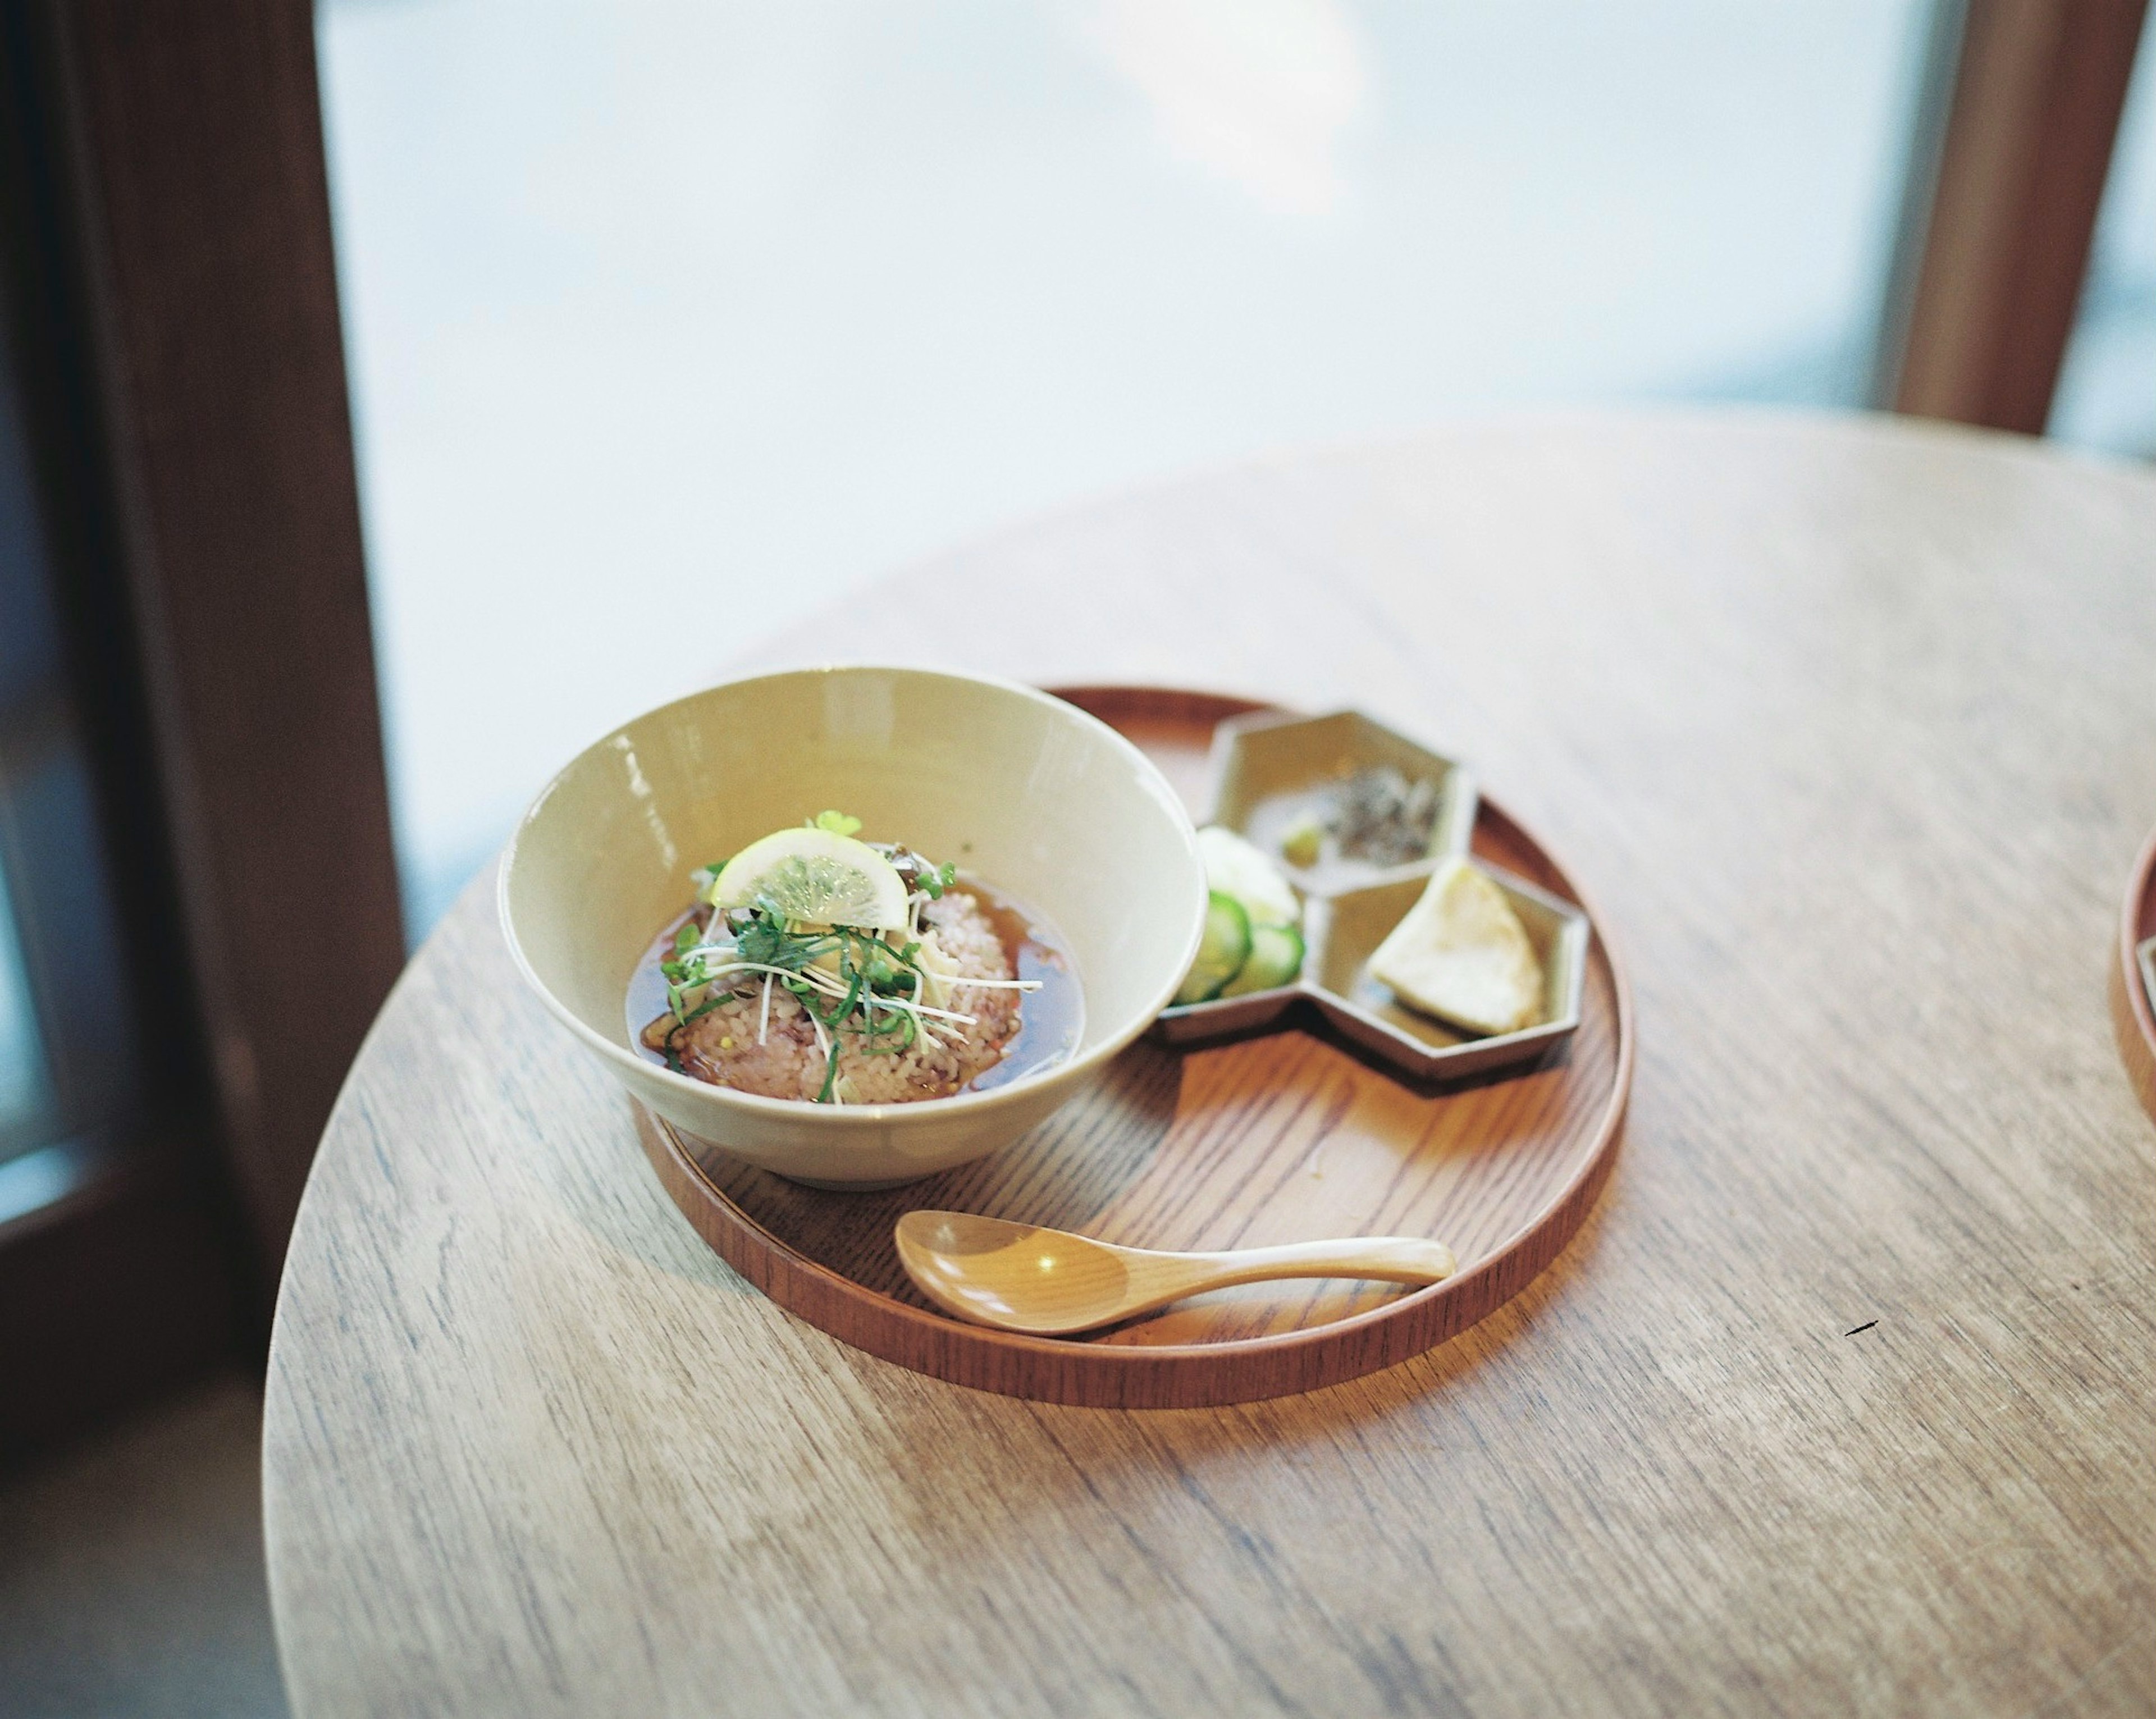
1378 817
1381 817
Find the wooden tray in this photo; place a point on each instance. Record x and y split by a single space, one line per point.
1291 1137
2132 981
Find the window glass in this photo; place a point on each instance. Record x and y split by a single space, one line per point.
672 320
25 1098
2107 394
68 1062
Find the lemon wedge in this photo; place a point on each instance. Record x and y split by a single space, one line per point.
815 877
1461 954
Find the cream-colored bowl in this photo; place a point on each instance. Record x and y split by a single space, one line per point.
1033 797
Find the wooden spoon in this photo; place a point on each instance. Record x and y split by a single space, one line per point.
1051 1283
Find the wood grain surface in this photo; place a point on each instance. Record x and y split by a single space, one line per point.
1840 1402
1242 1145
2132 1016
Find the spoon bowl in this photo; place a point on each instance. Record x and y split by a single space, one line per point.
1050 1283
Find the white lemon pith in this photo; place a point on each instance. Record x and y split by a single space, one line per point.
1462 954
1237 869
816 878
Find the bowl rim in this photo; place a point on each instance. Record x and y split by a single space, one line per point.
852 1117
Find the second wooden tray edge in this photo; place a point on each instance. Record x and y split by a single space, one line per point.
2133 1018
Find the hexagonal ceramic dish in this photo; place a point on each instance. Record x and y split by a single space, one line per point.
1271 768
1344 931
1268 770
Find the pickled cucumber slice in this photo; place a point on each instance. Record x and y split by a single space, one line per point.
1275 959
1225 947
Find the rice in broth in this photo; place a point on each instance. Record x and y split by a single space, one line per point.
779 1054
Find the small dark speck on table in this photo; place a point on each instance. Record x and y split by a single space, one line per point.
1866 1325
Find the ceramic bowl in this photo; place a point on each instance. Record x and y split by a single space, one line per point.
1031 795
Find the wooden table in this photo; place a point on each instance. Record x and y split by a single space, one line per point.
1845 1400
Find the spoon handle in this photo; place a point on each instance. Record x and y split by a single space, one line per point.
1388 1258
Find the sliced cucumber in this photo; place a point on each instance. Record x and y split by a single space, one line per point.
1276 958
1220 955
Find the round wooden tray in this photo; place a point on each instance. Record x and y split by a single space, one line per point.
1288 1136
2132 1018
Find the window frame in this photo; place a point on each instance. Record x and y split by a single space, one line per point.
2016 140
173 301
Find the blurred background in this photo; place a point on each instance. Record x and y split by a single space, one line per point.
581 309
755 302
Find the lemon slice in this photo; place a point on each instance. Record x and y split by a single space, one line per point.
817 877
1462 954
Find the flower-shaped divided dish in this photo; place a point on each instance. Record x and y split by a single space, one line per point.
1274 777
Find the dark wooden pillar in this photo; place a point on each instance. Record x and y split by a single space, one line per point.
2037 89
188 137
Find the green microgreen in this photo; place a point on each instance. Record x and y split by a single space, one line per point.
845 1006
837 822
767 938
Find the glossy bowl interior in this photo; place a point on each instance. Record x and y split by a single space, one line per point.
1034 797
